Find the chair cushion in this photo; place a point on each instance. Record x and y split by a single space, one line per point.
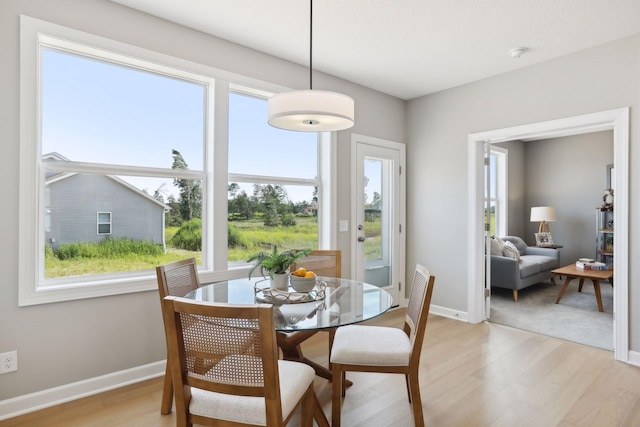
295 378
371 346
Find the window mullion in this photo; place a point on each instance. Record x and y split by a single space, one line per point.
260 179
96 168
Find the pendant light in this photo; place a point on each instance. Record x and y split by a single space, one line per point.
311 110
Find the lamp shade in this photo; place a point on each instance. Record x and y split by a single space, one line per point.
311 110
543 213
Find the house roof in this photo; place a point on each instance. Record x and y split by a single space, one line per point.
53 177
407 48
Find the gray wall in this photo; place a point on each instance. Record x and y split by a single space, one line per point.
60 343
570 174
598 79
516 187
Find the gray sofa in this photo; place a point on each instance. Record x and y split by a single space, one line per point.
534 266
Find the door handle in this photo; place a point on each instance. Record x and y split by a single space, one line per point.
360 239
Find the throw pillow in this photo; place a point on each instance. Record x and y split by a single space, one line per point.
496 247
511 251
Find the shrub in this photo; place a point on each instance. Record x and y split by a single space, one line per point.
234 237
108 248
189 236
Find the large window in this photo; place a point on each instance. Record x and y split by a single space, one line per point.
121 167
273 182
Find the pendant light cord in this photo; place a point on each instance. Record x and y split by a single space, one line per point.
310 44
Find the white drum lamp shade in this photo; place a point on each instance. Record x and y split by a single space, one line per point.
543 215
311 110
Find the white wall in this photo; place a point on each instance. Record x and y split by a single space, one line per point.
61 343
603 78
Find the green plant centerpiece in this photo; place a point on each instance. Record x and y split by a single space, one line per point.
276 265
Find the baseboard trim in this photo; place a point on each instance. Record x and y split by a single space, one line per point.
27 403
447 312
634 358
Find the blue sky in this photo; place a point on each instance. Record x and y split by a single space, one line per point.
104 113
100 112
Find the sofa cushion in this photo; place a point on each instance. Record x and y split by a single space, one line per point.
529 265
511 251
545 262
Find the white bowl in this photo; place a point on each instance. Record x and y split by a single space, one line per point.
303 284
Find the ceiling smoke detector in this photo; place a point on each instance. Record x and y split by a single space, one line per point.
517 52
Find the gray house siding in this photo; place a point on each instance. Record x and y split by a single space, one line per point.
73 202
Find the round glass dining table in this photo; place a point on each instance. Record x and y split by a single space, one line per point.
333 302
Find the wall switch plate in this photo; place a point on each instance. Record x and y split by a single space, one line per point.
344 225
8 362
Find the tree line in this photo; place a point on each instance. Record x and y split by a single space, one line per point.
269 202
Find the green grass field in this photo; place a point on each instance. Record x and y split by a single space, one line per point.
255 237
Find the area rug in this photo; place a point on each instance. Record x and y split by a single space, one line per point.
576 318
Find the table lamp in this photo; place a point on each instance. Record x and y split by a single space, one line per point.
544 215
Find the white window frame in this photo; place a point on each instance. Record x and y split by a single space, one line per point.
501 199
214 176
99 223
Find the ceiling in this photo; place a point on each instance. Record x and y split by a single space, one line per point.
407 48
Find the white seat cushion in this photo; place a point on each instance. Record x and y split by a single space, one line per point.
371 346
295 378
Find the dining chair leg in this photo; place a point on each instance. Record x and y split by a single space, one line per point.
308 403
406 380
336 395
167 392
416 401
332 334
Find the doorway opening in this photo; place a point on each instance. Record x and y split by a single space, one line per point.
567 174
616 120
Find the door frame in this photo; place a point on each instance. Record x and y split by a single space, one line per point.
616 120
398 258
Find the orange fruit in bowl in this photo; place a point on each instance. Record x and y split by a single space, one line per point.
310 274
300 272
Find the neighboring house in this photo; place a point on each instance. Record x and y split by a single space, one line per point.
90 208
310 209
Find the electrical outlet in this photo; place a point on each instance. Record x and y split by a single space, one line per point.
8 362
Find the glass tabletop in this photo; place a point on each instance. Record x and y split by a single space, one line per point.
334 302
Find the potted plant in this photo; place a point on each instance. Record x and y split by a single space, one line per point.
276 265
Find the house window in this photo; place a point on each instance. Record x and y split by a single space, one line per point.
497 191
273 182
104 222
107 133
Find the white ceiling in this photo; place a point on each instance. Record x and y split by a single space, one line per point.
407 48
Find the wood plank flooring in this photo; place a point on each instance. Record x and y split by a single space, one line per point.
471 375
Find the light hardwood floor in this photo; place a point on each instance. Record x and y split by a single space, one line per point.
471 375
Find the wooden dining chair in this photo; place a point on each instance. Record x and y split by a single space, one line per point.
326 263
241 389
385 349
175 279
